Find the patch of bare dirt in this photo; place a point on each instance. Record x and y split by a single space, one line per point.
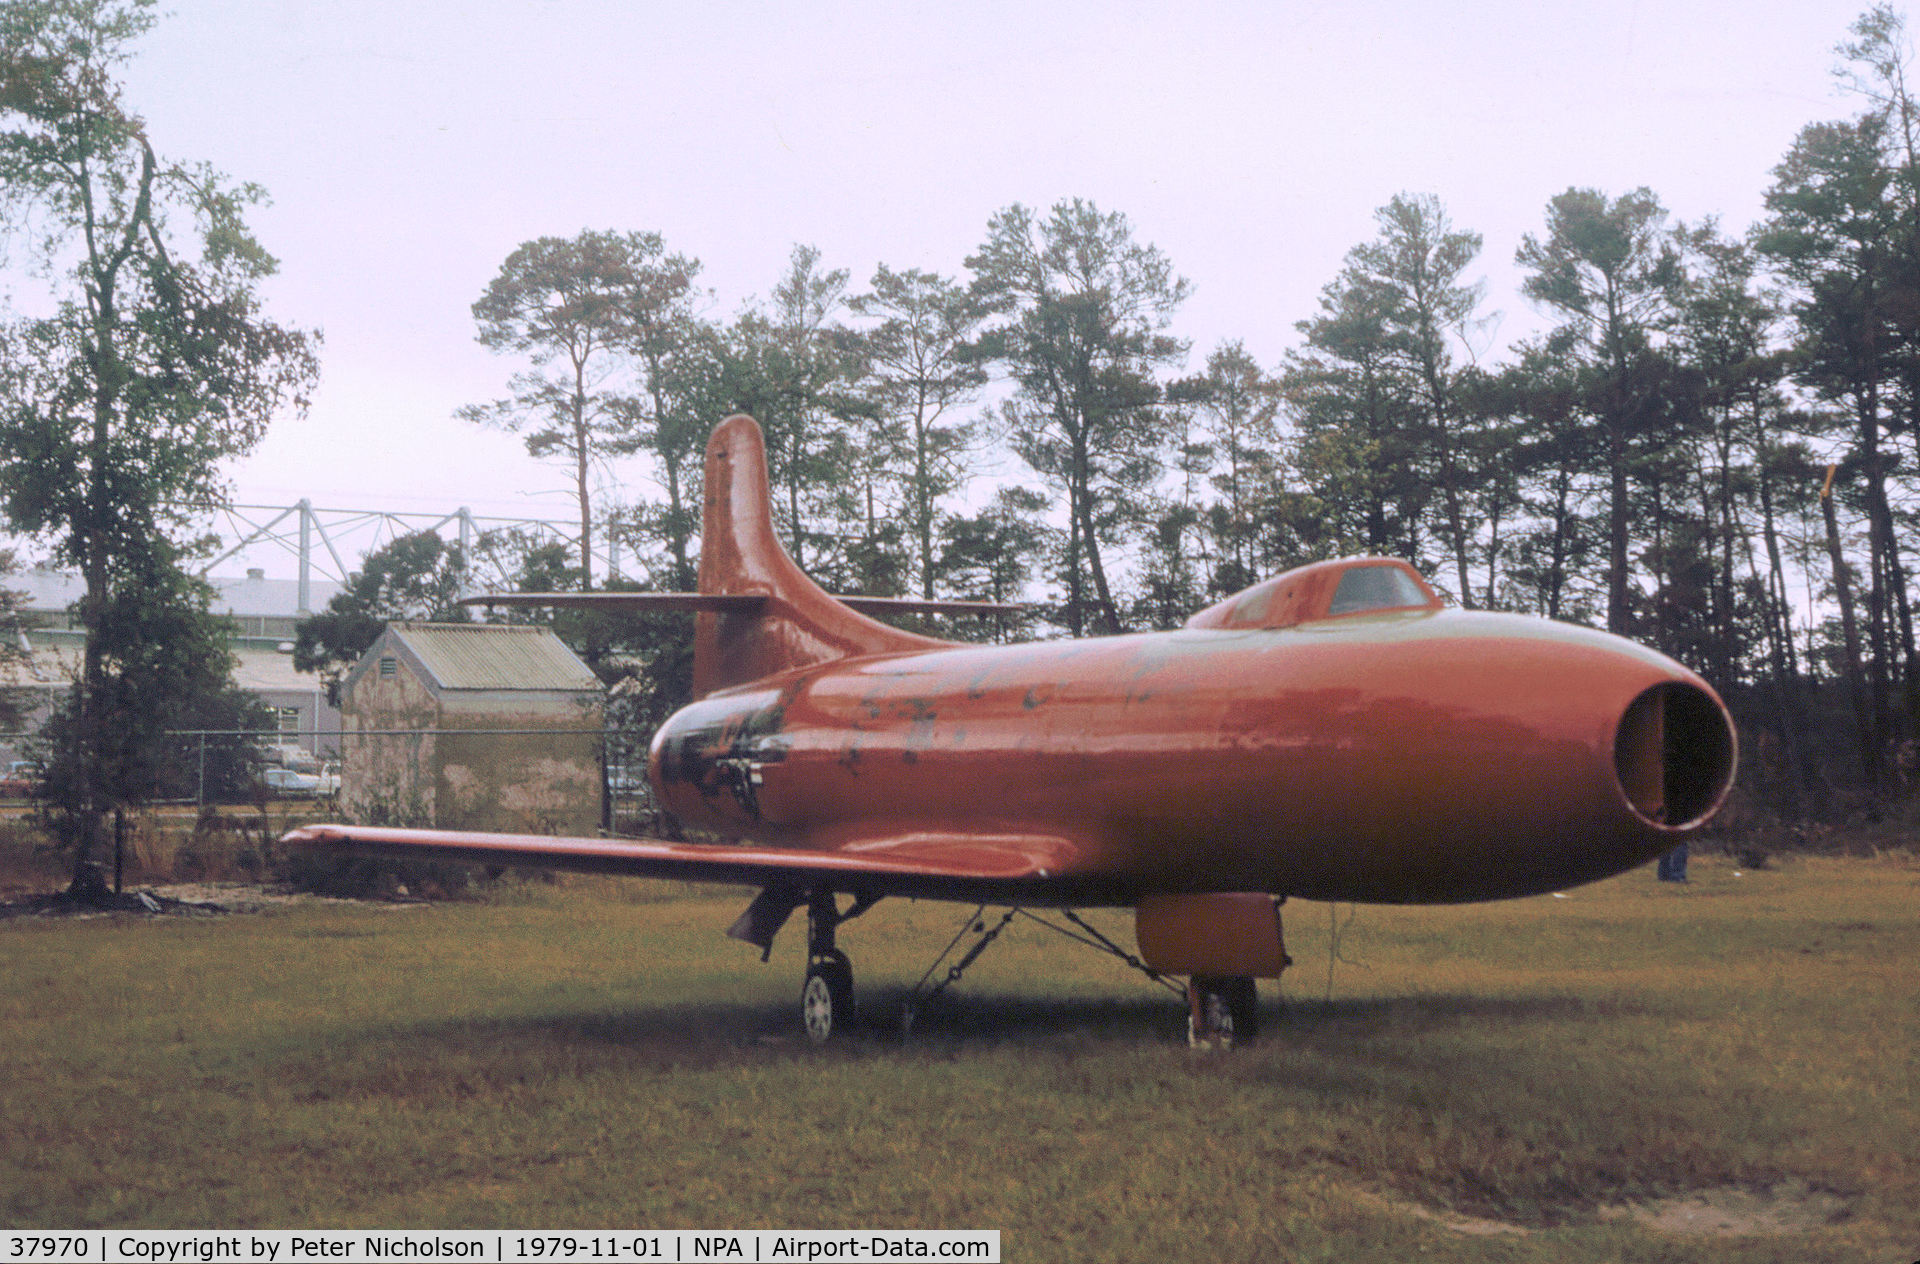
249 897
188 899
1472 1226
1790 1207
66 904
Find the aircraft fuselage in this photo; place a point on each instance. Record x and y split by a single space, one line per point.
1403 756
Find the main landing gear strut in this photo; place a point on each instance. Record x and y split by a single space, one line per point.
1222 1010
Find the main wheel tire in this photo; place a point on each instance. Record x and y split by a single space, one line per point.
1243 1007
826 1000
1222 1012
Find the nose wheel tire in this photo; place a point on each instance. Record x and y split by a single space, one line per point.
826 1001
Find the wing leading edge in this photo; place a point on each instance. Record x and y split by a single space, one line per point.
1022 868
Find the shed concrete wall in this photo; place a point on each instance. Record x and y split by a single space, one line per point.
465 773
388 778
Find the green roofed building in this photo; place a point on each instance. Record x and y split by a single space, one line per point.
472 726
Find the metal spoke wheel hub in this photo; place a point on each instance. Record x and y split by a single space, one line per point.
826 1000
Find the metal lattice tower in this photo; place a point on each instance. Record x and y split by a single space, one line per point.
341 533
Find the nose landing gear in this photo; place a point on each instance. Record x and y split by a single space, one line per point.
826 1000
827 1006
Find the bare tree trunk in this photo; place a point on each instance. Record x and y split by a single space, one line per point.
1843 589
1617 620
1787 706
581 487
922 497
1776 584
1109 613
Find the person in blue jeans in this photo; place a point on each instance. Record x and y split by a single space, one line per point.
1673 865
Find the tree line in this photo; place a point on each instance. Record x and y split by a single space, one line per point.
1711 448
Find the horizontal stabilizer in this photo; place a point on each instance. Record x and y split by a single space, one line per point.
727 603
918 605
626 602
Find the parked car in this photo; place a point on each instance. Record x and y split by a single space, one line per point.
19 779
291 755
287 784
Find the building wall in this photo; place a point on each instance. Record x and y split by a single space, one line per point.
265 613
467 774
304 718
543 782
389 779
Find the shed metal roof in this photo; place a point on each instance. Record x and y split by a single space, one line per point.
494 656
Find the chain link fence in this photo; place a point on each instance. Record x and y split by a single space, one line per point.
537 780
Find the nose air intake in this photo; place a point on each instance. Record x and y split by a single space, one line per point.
1674 755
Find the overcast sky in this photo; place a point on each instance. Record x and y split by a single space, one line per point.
409 146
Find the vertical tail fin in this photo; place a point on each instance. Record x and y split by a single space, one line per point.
799 623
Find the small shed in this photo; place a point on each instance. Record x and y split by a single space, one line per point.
472 726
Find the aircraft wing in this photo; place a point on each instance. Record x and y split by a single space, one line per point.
1019 868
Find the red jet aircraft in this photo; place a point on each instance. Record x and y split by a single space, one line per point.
1332 733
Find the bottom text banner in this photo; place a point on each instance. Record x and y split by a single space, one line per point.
679 1246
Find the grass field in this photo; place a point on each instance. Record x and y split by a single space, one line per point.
1476 1083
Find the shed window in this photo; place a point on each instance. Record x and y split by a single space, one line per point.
389 667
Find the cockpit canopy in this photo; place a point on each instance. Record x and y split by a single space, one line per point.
1322 590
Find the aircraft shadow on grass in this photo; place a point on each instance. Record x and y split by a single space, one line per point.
1361 1035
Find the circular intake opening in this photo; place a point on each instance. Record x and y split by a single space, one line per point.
1674 754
